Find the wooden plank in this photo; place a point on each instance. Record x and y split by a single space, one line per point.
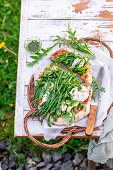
46 28
70 9
20 73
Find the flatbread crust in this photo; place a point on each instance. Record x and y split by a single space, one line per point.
81 113
87 77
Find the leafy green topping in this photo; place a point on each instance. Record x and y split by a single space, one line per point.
68 58
59 84
96 88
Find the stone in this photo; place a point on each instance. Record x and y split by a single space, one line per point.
78 158
21 166
5 153
36 159
4 166
105 167
67 165
12 164
84 163
3 145
26 166
47 157
33 168
1 156
30 162
67 156
58 164
55 168
85 168
76 168
41 164
5 160
56 156
48 167
109 163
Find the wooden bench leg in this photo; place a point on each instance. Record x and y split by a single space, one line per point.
91 165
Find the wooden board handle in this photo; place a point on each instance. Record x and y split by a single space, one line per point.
91 120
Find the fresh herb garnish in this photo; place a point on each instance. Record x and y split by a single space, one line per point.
40 55
73 42
96 88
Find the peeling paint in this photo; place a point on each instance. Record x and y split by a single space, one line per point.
94 43
109 0
81 6
96 34
107 6
105 26
105 14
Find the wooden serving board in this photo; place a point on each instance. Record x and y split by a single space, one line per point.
42 18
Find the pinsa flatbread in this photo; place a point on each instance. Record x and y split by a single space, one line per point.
71 101
74 62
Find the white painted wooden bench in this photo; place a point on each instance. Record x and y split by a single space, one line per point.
42 18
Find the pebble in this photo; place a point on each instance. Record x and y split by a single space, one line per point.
5 160
48 167
67 156
47 157
56 156
12 164
30 162
4 166
1 156
41 164
58 164
78 158
3 145
109 163
84 163
21 166
36 159
55 168
67 165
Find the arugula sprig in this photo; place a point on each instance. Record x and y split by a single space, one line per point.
73 42
40 55
96 88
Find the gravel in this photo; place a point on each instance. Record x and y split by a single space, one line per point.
56 156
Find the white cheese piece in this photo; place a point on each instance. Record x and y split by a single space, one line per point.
45 96
76 61
81 95
63 107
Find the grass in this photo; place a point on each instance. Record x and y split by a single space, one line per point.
9 33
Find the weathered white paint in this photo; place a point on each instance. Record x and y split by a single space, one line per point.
52 9
21 74
46 28
45 11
